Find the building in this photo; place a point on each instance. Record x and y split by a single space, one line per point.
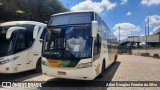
142 44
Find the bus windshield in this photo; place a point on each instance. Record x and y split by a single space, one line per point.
68 42
5 44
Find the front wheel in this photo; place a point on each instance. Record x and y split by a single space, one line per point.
103 69
38 68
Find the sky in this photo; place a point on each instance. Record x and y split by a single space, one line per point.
129 15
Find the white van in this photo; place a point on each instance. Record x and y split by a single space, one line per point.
21 46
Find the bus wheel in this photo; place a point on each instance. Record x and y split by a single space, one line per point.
103 66
115 58
38 66
103 69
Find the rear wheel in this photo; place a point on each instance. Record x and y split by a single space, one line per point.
103 66
115 58
38 66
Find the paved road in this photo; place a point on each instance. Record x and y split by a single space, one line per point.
127 68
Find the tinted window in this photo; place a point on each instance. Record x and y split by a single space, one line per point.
21 42
105 31
97 47
98 19
29 36
6 45
72 18
71 42
25 38
43 33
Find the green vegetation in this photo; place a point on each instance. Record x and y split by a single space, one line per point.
35 10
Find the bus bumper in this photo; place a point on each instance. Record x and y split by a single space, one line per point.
81 74
7 69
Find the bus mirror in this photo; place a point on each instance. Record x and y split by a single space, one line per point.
35 32
41 40
12 29
94 28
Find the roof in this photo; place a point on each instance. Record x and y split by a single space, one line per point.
72 12
12 23
157 31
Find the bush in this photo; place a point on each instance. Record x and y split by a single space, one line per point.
34 10
145 54
156 55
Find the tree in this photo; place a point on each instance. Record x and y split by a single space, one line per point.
34 10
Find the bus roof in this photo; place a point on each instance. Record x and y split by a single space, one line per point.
12 23
72 12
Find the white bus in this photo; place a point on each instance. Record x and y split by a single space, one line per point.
21 46
77 45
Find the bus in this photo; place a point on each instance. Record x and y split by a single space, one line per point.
77 45
21 46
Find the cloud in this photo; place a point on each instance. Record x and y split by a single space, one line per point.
150 2
154 23
129 13
150 33
126 26
108 5
126 29
123 34
153 20
95 6
142 35
155 28
123 2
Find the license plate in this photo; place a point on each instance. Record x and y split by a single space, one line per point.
61 73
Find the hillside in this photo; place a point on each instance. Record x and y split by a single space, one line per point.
36 10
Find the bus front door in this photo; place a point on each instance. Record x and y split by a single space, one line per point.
21 61
21 53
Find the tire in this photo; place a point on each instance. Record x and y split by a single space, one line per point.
103 66
103 69
38 68
115 58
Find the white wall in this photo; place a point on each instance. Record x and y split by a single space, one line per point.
150 51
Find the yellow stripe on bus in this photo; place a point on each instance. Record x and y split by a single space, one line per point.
54 63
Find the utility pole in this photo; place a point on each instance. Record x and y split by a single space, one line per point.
119 35
67 6
148 25
145 36
145 28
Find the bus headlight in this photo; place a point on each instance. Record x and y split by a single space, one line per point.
84 65
45 63
6 61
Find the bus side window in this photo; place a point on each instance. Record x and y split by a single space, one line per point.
98 43
97 48
21 42
43 34
29 37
